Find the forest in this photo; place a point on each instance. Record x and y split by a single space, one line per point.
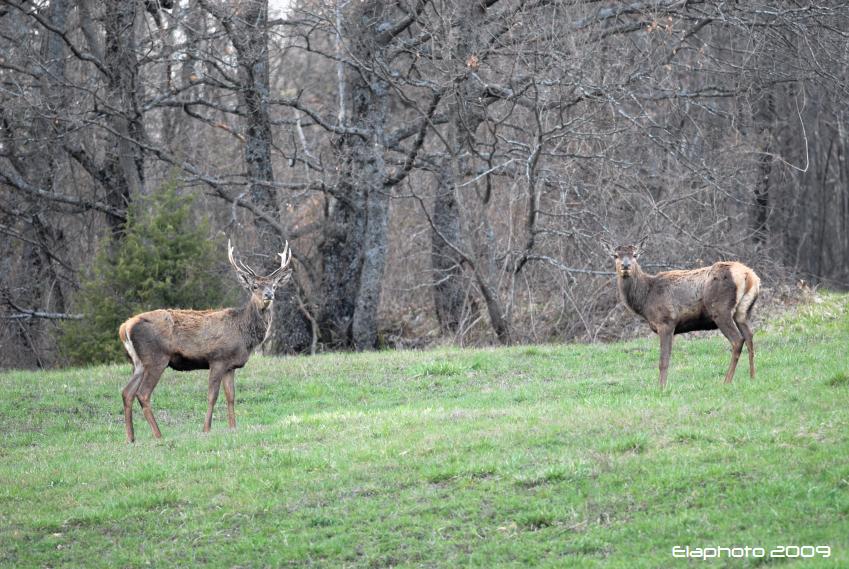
444 171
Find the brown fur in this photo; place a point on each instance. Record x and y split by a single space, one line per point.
674 302
218 340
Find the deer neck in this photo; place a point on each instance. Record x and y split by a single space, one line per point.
635 289
256 322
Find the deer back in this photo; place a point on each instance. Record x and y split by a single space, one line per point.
693 295
191 339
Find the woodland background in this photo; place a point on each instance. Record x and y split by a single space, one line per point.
444 170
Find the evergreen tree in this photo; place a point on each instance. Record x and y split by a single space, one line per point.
165 260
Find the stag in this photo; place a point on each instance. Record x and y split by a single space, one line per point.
673 302
218 340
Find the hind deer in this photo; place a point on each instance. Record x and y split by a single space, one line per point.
218 340
673 302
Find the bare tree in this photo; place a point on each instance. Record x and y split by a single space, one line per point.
246 26
475 150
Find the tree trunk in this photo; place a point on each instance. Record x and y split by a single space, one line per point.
765 122
466 112
43 289
374 247
124 168
451 288
249 33
45 162
355 240
342 237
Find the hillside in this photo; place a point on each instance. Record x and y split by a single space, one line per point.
560 455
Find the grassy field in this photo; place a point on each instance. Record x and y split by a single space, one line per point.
552 456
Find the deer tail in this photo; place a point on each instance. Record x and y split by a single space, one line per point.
124 335
751 290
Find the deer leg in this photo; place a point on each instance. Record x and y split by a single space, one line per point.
666 334
729 329
129 396
215 377
147 385
748 337
230 393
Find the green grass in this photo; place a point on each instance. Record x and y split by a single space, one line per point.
552 456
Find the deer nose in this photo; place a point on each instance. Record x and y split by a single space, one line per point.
268 294
626 264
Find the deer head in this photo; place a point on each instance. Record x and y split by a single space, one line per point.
625 256
262 288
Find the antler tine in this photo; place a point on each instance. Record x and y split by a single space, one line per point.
238 265
249 270
230 256
285 259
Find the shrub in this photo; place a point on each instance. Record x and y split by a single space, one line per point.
164 259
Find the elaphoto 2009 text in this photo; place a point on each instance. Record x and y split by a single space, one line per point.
748 552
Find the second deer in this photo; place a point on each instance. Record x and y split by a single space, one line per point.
719 296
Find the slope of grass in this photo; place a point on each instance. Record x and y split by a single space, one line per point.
530 456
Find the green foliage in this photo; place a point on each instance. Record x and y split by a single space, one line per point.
162 261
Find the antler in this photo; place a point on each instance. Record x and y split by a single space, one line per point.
238 265
285 259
